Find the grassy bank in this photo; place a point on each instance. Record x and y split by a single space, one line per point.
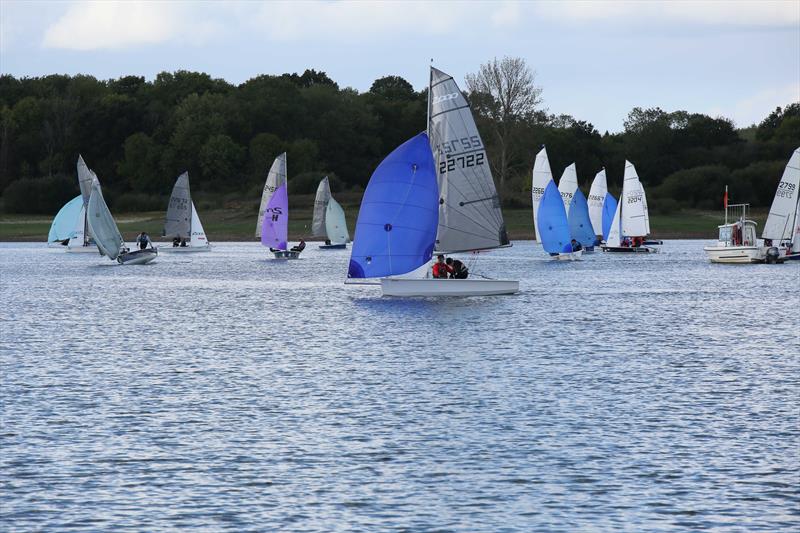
236 222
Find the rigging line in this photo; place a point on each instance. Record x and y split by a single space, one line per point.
481 223
465 232
432 85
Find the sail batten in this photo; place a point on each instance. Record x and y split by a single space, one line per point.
468 197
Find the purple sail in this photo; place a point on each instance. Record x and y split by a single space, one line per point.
275 229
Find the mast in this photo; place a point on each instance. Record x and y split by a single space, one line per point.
428 117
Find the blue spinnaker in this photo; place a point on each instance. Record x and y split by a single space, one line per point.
399 215
65 222
553 224
609 208
580 223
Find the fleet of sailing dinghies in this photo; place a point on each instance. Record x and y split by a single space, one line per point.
434 191
81 240
631 223
106 234
64 225
329 220
273 214
554 227
182 223
782 228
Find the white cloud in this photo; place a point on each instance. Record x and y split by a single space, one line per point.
92 25
507 15
734 12
753 109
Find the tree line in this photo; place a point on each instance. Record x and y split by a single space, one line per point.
139 135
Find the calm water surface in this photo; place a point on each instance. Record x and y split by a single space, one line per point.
227 391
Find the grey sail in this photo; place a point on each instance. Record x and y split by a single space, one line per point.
320 208
85 178
469 208
275 178
179 212
105 231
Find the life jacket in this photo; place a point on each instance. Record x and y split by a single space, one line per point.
439 270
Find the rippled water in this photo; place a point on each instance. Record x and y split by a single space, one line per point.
226 391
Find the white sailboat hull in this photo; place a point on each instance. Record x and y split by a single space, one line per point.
138 257
286 254
184 249
447 287
572 256
736 254
630 249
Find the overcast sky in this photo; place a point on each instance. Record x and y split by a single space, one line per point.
595 60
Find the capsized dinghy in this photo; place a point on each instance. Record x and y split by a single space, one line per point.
107 235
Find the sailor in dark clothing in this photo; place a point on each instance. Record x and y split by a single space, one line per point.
460 271
576 246
300 246
176 242
143 240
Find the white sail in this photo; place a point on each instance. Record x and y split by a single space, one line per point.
781 220
634 209
646 210
79 236
568 184
796 237
275 178
335 223
597 196
179 211
198 233
320 208
541 177
614 235
105 231
469 207
85 178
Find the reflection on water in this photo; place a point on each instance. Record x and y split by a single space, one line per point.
230 391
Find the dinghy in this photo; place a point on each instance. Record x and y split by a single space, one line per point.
554 227
408 211
631 220
273 216
62 230
782 228
567 185
539 180
182 223
329 220
81 240
107 235
596 200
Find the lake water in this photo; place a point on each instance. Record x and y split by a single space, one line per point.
228 391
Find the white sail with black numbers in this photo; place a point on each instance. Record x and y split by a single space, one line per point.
780 223
635 220
320 208
469 207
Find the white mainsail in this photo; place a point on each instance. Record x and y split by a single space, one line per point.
568 184
85 178
469 207
179 212
335 223
597 196
614 239
634 211
198 233
541 177
275 178
105 231
320 208
782 216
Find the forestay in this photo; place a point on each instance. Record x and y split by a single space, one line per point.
397 223
105 231
597 197
580 225
275 178
275 228
634 206
552 217
541 177
469 207
609 211
179 212
568 184
321 208
335 223
783 212
66 220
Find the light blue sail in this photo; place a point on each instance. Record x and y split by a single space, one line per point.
553 224
399 215
65 222
609 208
580 223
